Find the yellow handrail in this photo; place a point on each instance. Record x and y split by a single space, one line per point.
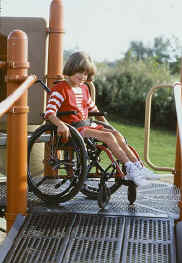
6 104
147 129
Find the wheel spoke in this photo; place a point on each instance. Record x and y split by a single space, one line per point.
101 167
41 181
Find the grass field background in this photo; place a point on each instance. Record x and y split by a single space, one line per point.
162 149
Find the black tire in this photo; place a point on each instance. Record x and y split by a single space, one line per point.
91 186
70 173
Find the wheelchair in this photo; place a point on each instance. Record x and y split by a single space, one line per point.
83 165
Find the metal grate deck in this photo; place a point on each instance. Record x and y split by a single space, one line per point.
83 238
156 200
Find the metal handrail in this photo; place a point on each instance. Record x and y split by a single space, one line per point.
178 97
147 129
6 104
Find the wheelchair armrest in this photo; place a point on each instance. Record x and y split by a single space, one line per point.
59 114
63 113
95 113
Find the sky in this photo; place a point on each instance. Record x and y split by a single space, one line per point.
105 28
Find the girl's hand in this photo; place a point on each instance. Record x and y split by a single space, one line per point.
63 131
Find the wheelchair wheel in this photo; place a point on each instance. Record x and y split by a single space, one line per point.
62 169
107 170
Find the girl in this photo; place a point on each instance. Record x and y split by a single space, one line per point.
71 94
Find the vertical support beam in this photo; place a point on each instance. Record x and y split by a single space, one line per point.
178 161
178 166
55 48
178 170
55 55
17 61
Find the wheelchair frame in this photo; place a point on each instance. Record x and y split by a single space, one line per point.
75 166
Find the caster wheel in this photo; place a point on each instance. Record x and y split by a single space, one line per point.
103 196
132 193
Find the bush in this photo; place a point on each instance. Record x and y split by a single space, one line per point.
123 90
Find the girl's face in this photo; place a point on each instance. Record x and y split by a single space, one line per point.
78 78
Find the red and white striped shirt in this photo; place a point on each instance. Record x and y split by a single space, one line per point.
66 98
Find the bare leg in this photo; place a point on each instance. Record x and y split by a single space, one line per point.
115 143
124 146
107 137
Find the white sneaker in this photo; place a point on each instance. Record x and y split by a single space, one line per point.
136 175
148 174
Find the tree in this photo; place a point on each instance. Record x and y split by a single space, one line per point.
160 50
137 50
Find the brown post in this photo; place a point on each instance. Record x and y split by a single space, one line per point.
55 49
178 162
178 170
55 54
17 71
178 166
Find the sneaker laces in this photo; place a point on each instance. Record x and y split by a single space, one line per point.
136 175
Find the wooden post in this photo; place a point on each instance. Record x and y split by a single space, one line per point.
17 72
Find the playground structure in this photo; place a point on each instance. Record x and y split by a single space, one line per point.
17 71
18 83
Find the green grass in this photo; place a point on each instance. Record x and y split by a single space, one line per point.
162 147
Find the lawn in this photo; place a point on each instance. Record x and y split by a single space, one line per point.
162 143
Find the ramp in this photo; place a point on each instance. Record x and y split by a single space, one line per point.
79 231
87 238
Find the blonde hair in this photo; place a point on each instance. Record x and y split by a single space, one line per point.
80 62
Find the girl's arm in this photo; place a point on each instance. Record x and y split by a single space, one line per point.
62 129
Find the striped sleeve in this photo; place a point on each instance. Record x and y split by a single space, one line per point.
91 105
54 103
